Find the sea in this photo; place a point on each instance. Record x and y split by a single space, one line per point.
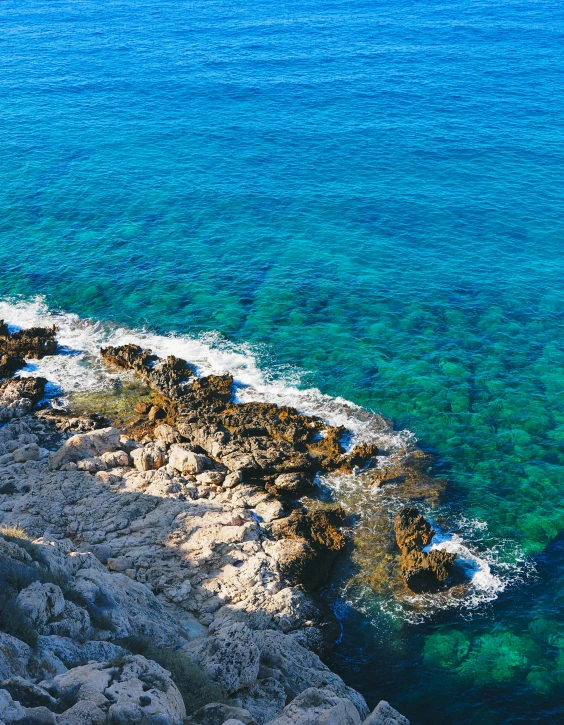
357 207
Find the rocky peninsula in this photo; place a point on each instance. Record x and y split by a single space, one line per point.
163 570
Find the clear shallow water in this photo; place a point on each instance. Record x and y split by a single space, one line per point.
372 193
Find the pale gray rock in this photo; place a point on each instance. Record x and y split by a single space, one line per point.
317 706
265 699
85 445
186 461
29 452
10 710
14 657
231 658
40 603
149 457
167 434
83 712
91 465
384 714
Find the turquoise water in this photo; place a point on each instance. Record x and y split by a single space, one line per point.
371 192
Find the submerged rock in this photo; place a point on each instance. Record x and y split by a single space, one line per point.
422 571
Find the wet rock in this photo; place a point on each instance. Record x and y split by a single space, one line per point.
31 389
35 342
156 413
142 407
412 530
422 571
10 364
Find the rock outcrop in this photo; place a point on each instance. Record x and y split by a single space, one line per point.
151 570
422 571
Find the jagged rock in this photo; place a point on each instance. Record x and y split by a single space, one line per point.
308 544
412 530
317 706
422 571
85 445
35 342
40 603
291 484
115 459
231 657
149 457
14 657
384 714
9 364
167 434
218 714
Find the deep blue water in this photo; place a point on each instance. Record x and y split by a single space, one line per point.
370 191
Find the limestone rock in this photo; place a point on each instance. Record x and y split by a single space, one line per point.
167 434
384 714
85 445
14 657
231 657
40 603
29 452
218 714
149 457
317 706
186 461
83 712
10 710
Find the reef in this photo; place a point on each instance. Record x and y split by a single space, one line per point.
162 570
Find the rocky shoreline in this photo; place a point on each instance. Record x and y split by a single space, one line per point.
162 571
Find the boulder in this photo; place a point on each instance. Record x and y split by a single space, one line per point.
14 657
40 603
384 714
187 462
231 657
317 706
85 445
30 452
149 457
167 434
